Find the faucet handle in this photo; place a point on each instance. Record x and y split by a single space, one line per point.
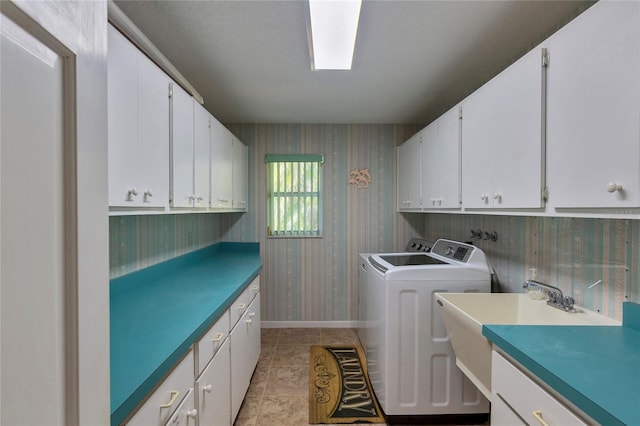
568 302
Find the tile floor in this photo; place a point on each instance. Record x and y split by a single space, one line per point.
279 391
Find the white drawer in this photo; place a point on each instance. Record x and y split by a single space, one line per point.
213 339
242 302
186 414
529 401
162 403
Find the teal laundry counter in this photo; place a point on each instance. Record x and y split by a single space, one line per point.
597 368
157 313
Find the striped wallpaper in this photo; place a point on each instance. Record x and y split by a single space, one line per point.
314 279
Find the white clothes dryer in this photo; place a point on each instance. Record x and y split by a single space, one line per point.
410 360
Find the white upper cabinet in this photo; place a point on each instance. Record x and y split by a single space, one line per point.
409 173
240 175
201 155
138 107
441 162
190 151
221 166
503 139
182 194
593 129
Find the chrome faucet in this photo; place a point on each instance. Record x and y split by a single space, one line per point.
556 298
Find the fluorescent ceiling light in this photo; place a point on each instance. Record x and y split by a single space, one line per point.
334 24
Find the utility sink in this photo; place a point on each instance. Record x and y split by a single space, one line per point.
464 315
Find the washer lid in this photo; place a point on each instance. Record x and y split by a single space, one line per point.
411 259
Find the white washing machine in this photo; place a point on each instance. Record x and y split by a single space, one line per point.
410 360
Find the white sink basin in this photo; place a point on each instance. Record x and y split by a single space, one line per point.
464 315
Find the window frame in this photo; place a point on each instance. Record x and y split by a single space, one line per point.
295 194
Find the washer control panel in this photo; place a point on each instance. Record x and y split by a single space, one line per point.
453 250
419 245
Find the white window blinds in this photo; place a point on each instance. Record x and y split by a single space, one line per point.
294 202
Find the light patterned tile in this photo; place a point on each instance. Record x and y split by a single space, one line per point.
248 414
288 380
269 336
298 336
291 355
266 355
258 381
284 411
339 336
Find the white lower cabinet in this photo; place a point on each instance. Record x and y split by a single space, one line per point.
162 403
214 399
245 351
516 399
186 414
208 389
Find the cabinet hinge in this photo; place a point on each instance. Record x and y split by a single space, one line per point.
545 58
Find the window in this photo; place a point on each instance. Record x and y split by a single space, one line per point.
294 204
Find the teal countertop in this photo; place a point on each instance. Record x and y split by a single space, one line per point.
157 313
597 368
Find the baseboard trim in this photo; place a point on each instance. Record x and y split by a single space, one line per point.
309 324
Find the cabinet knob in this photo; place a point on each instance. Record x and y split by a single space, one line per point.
252 314
484 197
207 388
131 193
255 288
147 194
249 321
614 187
192 413
497 196
218 337
241 306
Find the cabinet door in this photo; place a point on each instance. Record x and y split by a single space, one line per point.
153 134
245 351
221 166
122 71
502 139
441 162
214 405
181 148
202 155
240 175
593 131
409 174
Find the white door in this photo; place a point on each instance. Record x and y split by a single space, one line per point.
201 155
32 236
441 162
181 148
214 398
502 141
409 173
221 165
240 174
593 109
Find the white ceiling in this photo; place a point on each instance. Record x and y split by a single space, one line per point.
413 60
